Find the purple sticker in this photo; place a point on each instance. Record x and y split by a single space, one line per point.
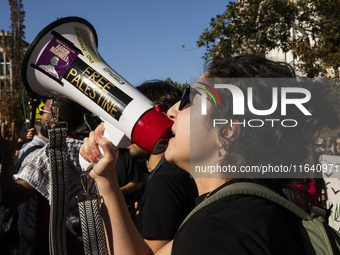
56 58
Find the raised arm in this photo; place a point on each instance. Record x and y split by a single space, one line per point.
13 193
121 232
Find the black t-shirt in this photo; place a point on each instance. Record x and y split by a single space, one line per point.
168 198
128 169
240 225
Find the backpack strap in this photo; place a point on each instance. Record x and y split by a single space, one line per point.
251 189
318 237
24 155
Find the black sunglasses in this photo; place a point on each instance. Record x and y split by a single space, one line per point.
186 100
188 96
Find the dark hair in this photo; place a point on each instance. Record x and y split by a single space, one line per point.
269 145
248 66
71 112
161 92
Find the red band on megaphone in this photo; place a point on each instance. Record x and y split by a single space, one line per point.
153 131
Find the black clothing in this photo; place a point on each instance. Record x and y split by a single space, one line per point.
128 169
240 225
168 198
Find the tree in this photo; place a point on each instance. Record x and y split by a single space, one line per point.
307 28
13 43
181 86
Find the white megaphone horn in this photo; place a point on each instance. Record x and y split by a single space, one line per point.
63 61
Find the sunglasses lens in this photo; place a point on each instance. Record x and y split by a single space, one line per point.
185 98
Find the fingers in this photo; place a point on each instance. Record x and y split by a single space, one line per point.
84 149
7 140
5 133
3 129
93 151
104 164
31 133
100 129
13 129
136 206
110 151
90 150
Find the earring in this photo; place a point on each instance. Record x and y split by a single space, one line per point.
219 153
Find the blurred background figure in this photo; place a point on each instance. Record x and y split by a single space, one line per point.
320 147
170 193
29 189
25 135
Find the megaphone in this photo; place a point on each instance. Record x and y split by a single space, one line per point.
63 60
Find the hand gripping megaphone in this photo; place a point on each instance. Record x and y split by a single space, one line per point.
63 61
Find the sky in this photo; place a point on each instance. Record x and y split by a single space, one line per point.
140 40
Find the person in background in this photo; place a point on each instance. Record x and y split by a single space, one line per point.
129 176
29 189
170 193
330 145
320 147
25 136
331 188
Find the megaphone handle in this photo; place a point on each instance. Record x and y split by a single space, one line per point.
113 134
86 165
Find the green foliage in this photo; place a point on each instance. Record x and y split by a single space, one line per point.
90 124
181 86
83 130
310 29
14 47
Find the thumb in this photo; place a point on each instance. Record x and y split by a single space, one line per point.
109 150
100 129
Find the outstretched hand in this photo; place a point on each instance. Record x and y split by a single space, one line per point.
105 164
8 140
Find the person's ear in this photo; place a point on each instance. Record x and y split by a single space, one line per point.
230 133
234 131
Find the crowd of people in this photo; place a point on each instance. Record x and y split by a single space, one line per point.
328 184
147 197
